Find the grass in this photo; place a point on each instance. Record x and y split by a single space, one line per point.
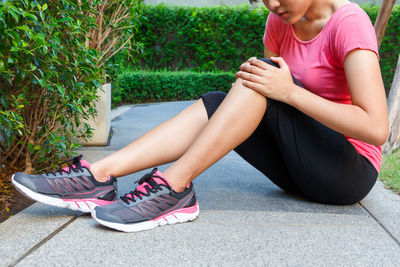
390 171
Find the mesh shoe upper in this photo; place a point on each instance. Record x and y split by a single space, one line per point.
74 181
153 197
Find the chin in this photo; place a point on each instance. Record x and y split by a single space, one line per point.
291 20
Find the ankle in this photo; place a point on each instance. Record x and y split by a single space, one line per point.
178 185
178 188
99 174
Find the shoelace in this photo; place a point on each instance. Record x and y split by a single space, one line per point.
76 161
151 187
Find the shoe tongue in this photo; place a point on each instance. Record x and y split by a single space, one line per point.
156 179
84 163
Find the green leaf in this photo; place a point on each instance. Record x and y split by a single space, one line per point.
66 19
1 66
14 15
31 148
61 90
29 15
24 28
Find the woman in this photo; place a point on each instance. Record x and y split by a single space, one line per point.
321 142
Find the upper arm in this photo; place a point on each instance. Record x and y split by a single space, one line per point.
272 36
366 86
268 53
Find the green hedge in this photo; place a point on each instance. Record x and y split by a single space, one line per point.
200 39
221 38
143 86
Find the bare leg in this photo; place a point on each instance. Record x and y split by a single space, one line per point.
234 121
165 143
191 138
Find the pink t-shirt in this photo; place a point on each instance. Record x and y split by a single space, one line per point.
318 63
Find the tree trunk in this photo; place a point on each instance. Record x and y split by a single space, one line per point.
382 19
394 113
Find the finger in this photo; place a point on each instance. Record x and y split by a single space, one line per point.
281 62
247 67
247 63
252 58
253 86
244 64
248 76
262 65
237 75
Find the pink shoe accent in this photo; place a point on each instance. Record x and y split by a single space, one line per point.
67 168
189 210
84 163
96 201
157 180
96 189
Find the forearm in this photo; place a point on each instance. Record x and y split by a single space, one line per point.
365 119
350 120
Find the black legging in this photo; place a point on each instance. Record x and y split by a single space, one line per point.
301 155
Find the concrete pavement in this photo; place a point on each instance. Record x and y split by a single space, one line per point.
244 220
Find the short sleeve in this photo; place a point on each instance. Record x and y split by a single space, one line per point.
271 35
355 31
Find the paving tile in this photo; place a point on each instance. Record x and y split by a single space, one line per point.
229 238
26 229
245 219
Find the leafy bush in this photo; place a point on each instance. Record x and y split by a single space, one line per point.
221 38
48 81
144 86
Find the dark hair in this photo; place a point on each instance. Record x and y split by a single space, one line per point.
253 1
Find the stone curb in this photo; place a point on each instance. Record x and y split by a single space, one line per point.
384 205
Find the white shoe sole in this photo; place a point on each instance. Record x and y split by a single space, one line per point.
136 227
77 204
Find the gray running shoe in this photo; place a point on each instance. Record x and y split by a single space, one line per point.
153 203
72 187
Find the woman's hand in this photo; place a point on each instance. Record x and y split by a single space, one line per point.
272 82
